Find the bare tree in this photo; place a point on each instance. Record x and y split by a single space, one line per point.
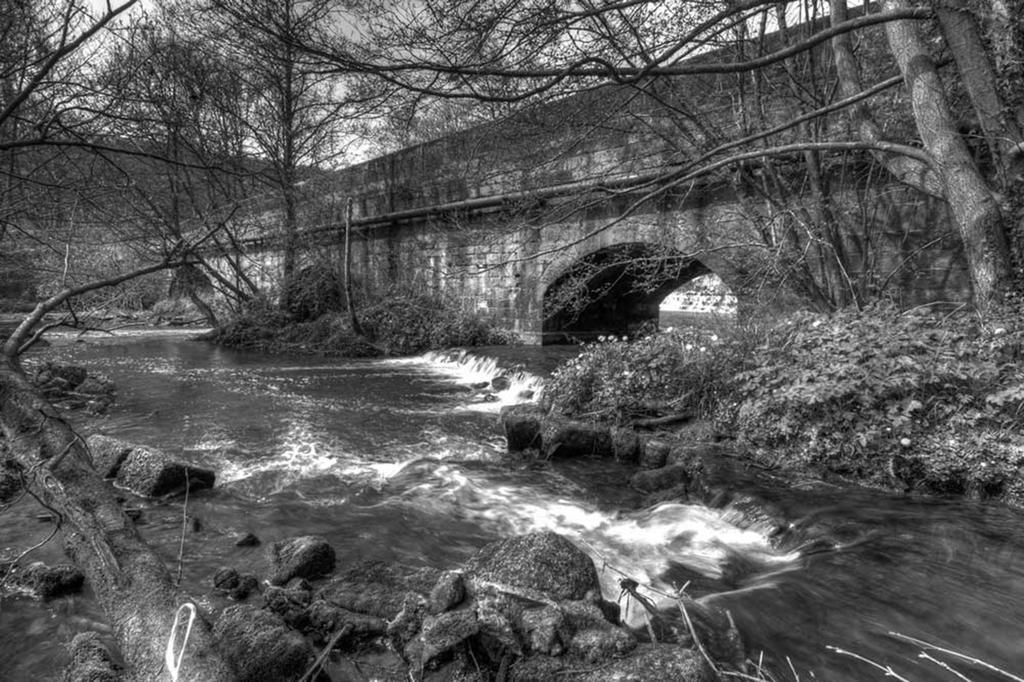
48 107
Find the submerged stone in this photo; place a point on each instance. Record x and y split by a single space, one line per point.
247 540
49 582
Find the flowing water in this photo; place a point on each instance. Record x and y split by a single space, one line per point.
402 460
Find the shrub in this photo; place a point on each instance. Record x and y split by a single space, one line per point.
254 328
313 291
404 321
674 372
891 397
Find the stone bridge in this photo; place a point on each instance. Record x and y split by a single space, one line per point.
578 217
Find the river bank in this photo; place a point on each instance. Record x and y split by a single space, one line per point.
402 461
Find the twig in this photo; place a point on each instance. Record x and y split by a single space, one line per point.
889 672
662 421
971 659
944 666
325 652
184 523
693 633
17 559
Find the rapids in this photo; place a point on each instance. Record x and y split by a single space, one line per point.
402 459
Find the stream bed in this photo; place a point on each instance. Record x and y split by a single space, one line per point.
403 460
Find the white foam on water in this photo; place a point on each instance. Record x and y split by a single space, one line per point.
467 369
641 545
297 459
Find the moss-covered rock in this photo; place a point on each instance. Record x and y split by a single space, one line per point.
543 562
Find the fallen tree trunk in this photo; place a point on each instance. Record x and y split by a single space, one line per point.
131 583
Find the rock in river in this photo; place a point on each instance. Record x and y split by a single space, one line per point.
307 556
545 562
153 473
261 646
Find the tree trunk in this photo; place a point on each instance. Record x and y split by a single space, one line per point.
1002 136
906 169
970 199
347 276
129 580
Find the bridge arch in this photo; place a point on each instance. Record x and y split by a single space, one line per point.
615 289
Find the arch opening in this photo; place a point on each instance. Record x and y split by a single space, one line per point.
615 291
696 303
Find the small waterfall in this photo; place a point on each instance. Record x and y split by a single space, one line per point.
509 385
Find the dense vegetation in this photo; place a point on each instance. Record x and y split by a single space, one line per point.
912 400
400 320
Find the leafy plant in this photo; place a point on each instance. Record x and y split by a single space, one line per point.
618 380
403 320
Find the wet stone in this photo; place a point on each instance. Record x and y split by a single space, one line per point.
247 540
307 556
153 473
261 646
443 632
226 579
545 562
566 438
447 593
247 584
50 582
90 660
654 454
378 588
653 480
108 453
522 425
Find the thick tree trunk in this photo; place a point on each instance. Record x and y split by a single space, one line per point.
970 199
908 170
130 581
978 76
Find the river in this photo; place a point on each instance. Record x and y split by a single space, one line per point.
401 459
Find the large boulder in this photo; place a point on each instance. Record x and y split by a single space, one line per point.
261 646
153 473
542 562
307 556
108 453
567 438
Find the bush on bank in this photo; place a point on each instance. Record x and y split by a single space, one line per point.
900 399
401 321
